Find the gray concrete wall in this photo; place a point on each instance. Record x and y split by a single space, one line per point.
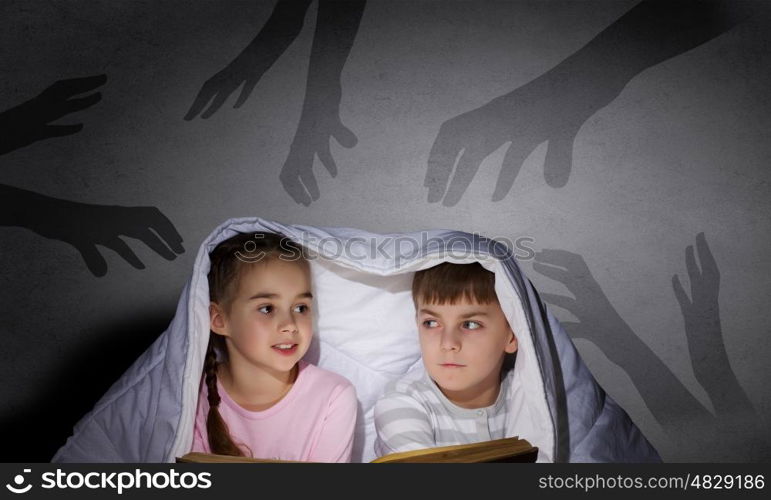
622 137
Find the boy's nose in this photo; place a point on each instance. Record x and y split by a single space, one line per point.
449 341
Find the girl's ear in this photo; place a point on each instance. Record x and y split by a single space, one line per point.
511 345
217 319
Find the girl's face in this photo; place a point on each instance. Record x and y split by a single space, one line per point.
269 324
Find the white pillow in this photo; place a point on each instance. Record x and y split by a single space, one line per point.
365 331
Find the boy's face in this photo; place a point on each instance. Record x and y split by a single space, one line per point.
463 346
269 324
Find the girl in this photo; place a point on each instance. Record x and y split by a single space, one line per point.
258 397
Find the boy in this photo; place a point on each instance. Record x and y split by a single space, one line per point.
467 347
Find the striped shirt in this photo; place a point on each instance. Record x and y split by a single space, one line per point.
414 414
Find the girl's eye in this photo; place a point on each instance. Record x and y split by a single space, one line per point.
301 308
471 325
265 309
430 323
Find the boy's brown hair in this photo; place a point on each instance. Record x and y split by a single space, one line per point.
448 283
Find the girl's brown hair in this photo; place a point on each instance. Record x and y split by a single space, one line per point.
228 262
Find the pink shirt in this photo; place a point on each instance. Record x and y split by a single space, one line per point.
314 422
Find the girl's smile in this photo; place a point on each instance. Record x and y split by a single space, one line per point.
285 349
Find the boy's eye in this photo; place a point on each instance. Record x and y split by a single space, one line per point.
471 325
430 323
301 308
265 309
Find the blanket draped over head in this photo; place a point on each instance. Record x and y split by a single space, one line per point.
364 330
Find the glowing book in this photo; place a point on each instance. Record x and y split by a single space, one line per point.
500 450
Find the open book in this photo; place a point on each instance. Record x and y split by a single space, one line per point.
500 450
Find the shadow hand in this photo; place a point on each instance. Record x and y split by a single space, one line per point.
598 320
700 311
246 70
84 226
31 121
551 108
312 140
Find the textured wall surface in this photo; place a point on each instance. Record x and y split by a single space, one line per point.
611 133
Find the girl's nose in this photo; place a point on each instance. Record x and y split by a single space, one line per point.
288 324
